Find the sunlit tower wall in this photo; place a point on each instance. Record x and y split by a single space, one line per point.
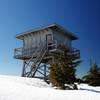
39 47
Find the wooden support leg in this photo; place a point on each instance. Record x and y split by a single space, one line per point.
23 69
45 72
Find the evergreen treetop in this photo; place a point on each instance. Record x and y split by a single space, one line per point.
93 76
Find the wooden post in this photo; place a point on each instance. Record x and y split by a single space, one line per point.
45 72
23 69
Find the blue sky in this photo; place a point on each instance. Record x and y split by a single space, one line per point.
79 16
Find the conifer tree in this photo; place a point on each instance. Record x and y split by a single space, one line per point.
62 71
93 76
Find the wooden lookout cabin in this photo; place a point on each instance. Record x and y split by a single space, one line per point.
38 46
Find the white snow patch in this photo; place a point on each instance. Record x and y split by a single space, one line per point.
89 88
18 88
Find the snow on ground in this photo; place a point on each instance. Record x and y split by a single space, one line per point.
89 88
18 88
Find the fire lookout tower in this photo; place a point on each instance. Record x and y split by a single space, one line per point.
39 45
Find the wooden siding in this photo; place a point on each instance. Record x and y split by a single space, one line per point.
61 39
36 40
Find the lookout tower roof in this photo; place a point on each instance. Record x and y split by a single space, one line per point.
54 26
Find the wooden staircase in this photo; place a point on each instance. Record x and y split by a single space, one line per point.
32 65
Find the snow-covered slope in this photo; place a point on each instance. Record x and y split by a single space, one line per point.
17 88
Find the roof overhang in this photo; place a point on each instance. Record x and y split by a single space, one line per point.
56 27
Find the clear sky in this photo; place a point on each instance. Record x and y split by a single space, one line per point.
79 16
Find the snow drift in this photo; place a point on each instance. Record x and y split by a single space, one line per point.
18 88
